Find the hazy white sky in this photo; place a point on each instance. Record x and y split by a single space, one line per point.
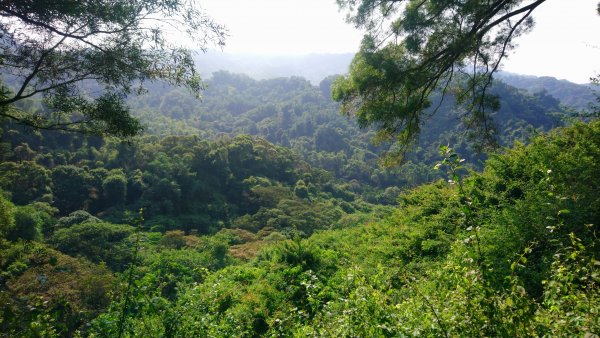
284 26
565 42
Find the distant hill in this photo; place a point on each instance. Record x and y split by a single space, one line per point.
313 67
316 67
292 112
568 93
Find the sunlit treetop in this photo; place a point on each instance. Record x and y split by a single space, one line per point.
415 48
85 56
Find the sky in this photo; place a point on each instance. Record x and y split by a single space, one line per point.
565 43
284 26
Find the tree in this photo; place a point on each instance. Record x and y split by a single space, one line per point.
27 181
96 241
28 224
415 48
68 51
115 187
71 188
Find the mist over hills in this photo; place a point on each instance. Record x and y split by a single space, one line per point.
316 67
313 67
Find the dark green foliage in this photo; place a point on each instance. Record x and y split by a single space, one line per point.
46 214
27 181
71 187
300 189
114 187
28 224
301 118
173 239
181 182
308 122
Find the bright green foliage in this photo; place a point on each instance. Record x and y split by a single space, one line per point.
416 48
572 289
167 270
537 193
158 282
472 257
65 50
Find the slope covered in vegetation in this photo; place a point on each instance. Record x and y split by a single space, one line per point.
510 251
293 113
261 211
268 213
570 94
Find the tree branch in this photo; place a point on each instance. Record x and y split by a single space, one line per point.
36 69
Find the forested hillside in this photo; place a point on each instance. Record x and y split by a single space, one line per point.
260 167
570 94
290 112
414 195
220 247
300 157
432 267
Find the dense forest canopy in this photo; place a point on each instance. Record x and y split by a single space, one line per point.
262 211
225 246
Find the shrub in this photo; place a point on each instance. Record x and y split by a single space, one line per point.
98 242
28 224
